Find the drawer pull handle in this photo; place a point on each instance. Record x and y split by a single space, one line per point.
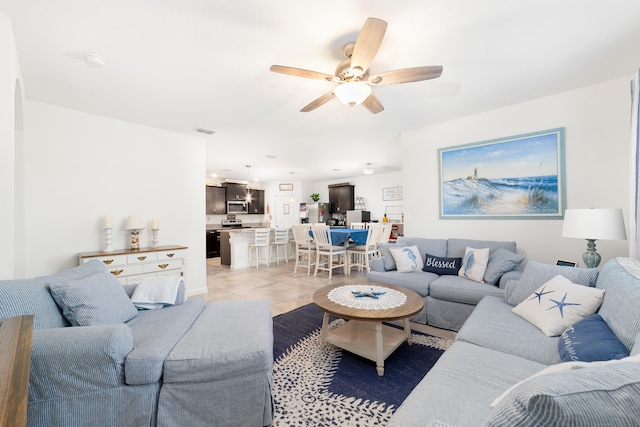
163 266
142 258
170 255
116 272
107 261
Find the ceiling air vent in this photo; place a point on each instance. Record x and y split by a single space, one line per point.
206 131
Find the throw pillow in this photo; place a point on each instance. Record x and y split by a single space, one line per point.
590 340
407 259
474 264
561 367
442 266
602 394
385 254
500 262
558 304
536 273
94 300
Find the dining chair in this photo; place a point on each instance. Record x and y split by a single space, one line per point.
386 233
357 225
281 240
325 249
362 254
260 241
305 248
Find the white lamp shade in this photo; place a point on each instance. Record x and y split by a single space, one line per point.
352 93
597 224
134 222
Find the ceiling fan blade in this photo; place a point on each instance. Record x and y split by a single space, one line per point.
406 75
299 72
318 102
373 104
368 43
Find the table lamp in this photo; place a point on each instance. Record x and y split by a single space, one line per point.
593 224
134 224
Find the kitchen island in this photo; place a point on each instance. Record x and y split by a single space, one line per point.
234 247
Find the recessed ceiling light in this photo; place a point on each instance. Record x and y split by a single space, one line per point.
271 156
94 60
335 169
215 175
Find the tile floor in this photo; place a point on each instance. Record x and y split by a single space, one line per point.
284 289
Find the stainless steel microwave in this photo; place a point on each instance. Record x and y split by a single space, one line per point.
237 207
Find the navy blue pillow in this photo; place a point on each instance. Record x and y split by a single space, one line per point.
442 266
590 340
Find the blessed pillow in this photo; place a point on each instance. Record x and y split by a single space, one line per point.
558 304
408 259
590 340
500 262
98 299
474 264
441 265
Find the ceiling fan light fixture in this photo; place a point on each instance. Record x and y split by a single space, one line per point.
368 170
352 93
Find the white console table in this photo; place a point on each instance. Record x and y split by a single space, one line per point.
130 266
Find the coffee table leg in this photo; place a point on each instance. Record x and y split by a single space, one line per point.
325 326
379 353
407 331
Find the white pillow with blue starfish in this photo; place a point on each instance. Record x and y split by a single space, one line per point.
474 264
558 304
408 259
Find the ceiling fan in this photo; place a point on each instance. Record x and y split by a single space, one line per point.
352 74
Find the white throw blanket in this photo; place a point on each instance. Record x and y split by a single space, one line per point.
156 292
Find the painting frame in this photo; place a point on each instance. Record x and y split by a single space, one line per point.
285 187
515 177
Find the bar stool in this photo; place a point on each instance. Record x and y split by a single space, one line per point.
281 240
261 240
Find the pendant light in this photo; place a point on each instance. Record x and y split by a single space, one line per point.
368 170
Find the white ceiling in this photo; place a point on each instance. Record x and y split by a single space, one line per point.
179 65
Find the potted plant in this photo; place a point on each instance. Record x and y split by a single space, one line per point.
315 197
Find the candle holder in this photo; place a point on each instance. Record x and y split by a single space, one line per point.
155 237
107 239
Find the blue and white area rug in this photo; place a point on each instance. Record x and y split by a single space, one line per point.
322 385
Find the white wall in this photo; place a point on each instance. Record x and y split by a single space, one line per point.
81 167
9 76
596 121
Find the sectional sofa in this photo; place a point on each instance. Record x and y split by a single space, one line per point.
497 349
98 361
448 299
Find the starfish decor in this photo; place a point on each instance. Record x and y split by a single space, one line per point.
561 304
371 294
540 294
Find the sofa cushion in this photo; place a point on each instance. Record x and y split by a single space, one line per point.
620 278
558 304
592 396
417 282
31 296
437 247
441 265
493 325
95 300
535 274
500 262
155 333
474 264
590 340
407 259
459 289
457 247
459 388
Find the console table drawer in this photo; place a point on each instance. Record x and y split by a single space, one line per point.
125 270
141 258
169 255
110 261
162 265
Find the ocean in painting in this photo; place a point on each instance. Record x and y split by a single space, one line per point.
533 195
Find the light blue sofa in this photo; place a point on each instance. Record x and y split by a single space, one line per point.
496 349
191 364
448 300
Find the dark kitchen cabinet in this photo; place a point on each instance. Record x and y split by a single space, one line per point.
341 198
235 191
213 243
216 200
256 205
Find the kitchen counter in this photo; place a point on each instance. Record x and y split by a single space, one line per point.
234 246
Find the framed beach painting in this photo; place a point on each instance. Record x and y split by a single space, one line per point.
519 177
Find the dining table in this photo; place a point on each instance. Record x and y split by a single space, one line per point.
341 236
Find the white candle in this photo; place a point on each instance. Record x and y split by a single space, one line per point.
107 221
154 224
